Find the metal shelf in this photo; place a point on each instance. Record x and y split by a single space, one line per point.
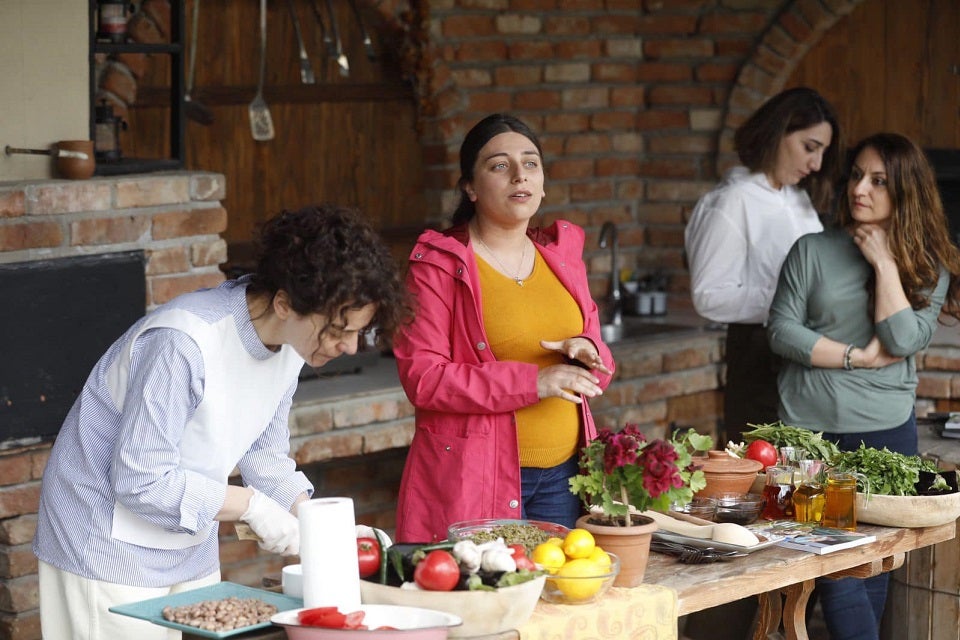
174 49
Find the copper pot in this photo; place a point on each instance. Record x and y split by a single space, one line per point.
72 159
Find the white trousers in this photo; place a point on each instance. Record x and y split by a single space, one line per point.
75 608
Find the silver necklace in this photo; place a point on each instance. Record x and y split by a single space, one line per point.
523 254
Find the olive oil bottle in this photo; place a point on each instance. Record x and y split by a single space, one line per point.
810 496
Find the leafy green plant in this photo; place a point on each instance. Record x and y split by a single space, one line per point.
887 472
622 469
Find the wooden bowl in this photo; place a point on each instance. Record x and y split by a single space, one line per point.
908 511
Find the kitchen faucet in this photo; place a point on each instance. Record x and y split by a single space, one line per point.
614 302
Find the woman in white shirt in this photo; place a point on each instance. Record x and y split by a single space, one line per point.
740 232
737 238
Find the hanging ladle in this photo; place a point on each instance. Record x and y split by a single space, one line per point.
194 110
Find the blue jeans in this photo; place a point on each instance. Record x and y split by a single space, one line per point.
546 493
853 608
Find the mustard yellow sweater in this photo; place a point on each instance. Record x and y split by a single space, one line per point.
516 319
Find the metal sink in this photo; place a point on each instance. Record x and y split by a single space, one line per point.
638 329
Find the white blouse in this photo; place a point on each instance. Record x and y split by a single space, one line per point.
736 241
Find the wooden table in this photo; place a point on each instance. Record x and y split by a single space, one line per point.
769 572
765 573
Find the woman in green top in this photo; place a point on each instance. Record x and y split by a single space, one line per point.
853 306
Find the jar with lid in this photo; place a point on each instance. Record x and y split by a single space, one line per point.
809 497
112 20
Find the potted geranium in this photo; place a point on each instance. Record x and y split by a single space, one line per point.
623 474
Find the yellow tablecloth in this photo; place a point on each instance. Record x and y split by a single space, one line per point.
645 612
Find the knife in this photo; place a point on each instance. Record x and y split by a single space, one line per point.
306 71
367 43
342 62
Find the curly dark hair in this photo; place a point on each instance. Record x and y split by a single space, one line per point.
329 260
758 139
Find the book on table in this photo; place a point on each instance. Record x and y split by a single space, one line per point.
812 537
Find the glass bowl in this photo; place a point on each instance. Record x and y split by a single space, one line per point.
739 508
560 589
529 533
704 508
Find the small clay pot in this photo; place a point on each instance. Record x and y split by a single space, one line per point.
727 474
73 165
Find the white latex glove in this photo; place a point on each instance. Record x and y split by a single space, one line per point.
278 529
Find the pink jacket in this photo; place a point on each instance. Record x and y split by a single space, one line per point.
464 462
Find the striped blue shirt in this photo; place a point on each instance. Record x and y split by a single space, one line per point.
99 448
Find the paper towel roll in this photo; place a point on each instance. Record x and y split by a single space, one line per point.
328 553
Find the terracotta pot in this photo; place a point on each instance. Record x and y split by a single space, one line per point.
727 474
631 544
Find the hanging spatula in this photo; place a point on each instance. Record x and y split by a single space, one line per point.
306 71
261 124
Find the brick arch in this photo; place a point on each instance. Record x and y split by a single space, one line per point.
779 50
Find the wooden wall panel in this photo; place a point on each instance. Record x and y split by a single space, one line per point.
882 67
350 140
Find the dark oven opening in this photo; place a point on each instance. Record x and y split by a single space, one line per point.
61 315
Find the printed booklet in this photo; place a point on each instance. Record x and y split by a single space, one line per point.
811 537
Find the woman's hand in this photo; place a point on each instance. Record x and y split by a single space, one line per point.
872 356
567 381
873 244
579 349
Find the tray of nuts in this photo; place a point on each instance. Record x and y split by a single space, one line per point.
218 611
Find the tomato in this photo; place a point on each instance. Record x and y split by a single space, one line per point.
763 452
329 617
354 620
517 550
521 558
438 571
368 555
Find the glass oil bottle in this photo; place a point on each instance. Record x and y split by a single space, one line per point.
809 496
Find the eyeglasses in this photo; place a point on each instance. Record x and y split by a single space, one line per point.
340 332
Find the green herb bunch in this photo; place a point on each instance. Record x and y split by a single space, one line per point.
886 472
781 435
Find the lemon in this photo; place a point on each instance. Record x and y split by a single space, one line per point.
599 557
578 544
549 556
579 585
555 540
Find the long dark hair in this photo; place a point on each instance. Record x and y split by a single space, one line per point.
758 139
918 234
479 135
329 260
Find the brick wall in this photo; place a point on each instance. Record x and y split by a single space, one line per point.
175 218
635 101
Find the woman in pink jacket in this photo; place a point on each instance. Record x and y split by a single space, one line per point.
503 353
